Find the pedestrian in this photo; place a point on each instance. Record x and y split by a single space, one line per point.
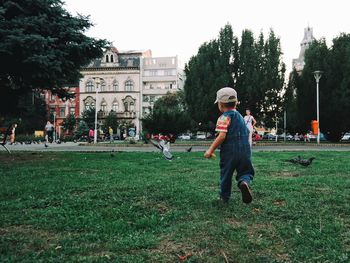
235 150
49 132
91 135
110 131
250 123
13 133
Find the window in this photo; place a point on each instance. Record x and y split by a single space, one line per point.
152 98
90 86
103 85
171 85
115 85
107 60
104 106
132 106
129 85
52 97
115 106
129 103
72 111
151 86
112 59
62 112
89 103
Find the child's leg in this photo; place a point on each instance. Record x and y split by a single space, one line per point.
245 173
226 173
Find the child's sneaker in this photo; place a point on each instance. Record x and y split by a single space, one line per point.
246 193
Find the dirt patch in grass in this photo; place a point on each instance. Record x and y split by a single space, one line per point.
24 158
261 232
285 174
27 239
279 202
234 222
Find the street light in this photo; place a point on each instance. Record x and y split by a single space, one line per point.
318 75
97 82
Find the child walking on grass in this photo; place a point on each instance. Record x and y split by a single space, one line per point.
235 151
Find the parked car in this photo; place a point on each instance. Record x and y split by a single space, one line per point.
200 137
346 137
313 137
184 137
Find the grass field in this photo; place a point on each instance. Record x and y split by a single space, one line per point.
137 207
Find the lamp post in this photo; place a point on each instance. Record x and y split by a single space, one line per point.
318 75
97 82
54 125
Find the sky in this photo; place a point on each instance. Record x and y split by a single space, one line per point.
179 27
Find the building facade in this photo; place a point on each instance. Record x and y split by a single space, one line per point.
159 76
60 108
299 62
129 82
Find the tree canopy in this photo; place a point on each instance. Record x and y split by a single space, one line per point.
252 66
334 87
42 46
168 116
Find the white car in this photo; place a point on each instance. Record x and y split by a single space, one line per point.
200 137
185 137
346 137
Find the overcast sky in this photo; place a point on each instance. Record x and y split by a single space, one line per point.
179 27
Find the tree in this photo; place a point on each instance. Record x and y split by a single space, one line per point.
88 116
168 116
42 46
273 84
69 123
253 67
82 130
32 115
208 71
111 121
334 87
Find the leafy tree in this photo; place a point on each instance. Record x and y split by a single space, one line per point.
82 129
88 116
273 83
334 87
111 121
168 116
207 72
42 46
32 115
69 123
253 67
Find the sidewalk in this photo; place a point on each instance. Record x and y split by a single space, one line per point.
84 147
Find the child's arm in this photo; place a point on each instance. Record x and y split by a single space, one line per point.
218 141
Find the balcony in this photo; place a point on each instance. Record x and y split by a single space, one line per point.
120 115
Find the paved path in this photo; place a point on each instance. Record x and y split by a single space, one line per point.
75 147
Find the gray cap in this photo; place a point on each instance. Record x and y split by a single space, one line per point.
226 95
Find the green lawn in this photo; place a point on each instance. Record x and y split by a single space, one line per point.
91 207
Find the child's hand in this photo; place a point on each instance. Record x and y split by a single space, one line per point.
209 154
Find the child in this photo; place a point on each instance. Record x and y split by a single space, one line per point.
235 151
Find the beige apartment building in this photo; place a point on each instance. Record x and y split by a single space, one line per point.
129 83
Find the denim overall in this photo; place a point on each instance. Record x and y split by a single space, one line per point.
235 154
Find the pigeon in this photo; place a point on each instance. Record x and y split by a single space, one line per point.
164 148
112 153
294 160
189 149
46 145
306 162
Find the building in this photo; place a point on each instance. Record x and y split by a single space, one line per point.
129 83
159 76
299 62
62 108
